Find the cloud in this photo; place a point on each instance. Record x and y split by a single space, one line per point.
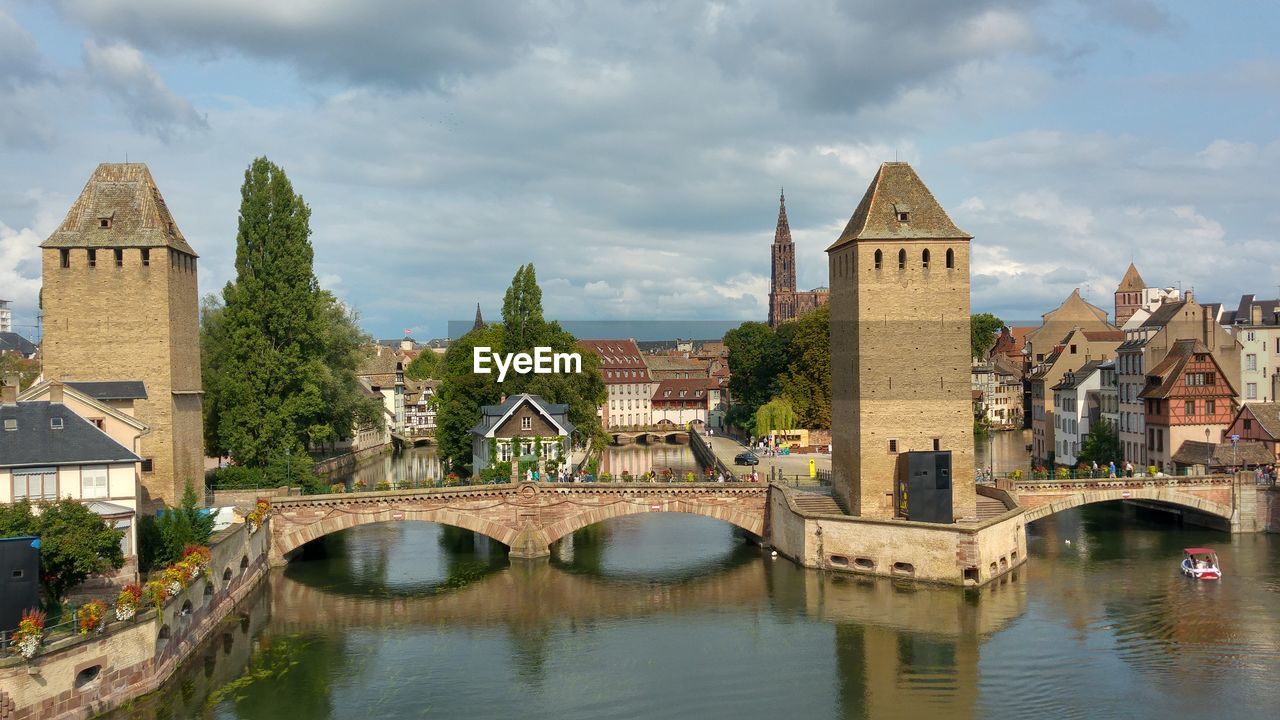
128 81
397 43
20 60
1140 16
20 271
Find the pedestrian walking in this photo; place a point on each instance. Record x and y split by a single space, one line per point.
1111 468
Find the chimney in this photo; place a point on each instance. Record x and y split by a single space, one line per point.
1188 296
55 392
1255 314
8 394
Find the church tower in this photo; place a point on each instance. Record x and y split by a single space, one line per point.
899 277
120 302
1130 295
782 283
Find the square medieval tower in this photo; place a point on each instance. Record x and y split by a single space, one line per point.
899 344
120 303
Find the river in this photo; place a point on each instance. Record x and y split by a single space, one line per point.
658 616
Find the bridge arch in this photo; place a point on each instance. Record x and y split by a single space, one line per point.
344 520
1166 496
752 523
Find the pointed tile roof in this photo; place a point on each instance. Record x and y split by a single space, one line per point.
120 206
1132 281
897 189
479 323
782 235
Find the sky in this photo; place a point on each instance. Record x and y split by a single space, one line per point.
634 149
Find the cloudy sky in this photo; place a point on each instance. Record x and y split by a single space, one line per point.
634 149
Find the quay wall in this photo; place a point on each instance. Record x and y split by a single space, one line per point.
962 554
84 675
349 460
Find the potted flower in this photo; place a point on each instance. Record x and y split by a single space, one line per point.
127 601
263 508
174 578
30 634
382 486
337 488
155 592
91 617
360 486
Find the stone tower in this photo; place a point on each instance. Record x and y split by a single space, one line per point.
899 344
1130 295
120 303
782 279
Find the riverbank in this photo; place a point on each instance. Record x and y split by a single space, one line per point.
84 675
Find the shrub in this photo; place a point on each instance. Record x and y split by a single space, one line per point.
155 592
337 488
382 486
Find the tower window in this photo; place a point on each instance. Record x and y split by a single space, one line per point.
904 217
924 259
146 257
902 259
65 257
119 257
951 259
104 222
937 444
879 259
893 446
93 257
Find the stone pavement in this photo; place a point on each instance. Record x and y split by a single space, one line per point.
726 448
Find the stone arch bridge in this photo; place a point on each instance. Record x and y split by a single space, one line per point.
526 517
1226 498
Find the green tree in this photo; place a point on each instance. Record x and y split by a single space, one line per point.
806 383
74 542
523 328
757 359
280 353
13 364
776 414
427 364
1101 445
166 534
983 328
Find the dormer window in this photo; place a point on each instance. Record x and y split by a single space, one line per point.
104 223
55 423
903 212
904 217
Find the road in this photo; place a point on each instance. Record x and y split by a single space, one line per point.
726 448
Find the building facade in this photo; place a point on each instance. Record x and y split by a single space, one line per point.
685 402
1076 349
1256 325
627 380
785 302
900 350
120 301
521 427
6 317
1071 417
1260 423
1188 397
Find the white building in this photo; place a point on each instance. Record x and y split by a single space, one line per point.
628 381
1071 418
6 317
1256 324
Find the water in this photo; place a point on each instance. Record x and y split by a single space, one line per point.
1004 450
675 616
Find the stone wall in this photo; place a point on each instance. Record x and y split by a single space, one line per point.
81 676
1269 509
348 460
244 500
956 554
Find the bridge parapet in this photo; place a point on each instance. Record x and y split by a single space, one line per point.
1221 496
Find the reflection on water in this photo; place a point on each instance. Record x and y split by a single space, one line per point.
668 615
1004 451
638 459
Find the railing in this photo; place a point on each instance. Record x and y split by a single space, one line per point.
52 633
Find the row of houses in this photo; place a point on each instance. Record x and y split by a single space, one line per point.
684 386
1175 379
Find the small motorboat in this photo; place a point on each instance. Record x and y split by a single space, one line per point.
1201 564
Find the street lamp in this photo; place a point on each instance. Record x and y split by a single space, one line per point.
1208 453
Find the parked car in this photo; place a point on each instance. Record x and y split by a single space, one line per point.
746 458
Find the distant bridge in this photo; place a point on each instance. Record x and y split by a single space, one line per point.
526 517
648 434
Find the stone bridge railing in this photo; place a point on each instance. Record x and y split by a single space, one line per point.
1220 496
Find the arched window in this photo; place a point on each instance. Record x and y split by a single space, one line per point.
924 259
902 259
951 259
879 259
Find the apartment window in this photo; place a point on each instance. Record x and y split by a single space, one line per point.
146 257
893 446
93 481
880 261
951 259
147 465
97 422
65 256
1191 407
1210 407
1210 379
1248 424
1251 362
119 257
526 423
1073 349
1250 336
924 259
937 444
1251 391
902 259
93 257
35 484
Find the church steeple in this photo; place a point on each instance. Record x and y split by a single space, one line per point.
783 233
479 323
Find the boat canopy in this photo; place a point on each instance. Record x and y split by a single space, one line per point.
1199 551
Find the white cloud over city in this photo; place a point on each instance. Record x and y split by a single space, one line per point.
634 151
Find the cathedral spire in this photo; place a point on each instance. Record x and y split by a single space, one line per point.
479 323
783 233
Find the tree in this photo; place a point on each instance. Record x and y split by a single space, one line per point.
14 364
75 542
427 364
523 328
757 358
1101 445
983 328
775 415
167 534
806 383
279 353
